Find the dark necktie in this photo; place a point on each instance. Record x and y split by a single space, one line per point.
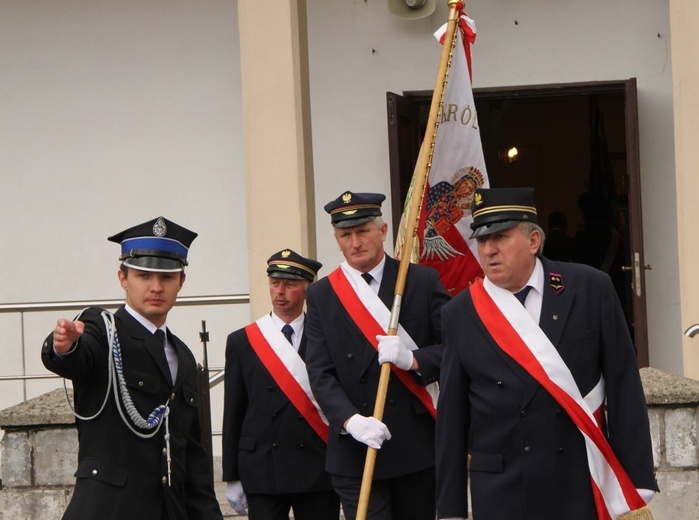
160 334
522 295
288 330
367 278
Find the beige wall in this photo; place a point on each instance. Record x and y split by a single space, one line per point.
685 49
114 112
277 135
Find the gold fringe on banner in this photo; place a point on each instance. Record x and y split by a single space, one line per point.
637 514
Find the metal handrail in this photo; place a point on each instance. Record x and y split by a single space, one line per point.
182 301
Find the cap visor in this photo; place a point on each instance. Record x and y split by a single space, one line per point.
286 275
353 221
154 264
488 229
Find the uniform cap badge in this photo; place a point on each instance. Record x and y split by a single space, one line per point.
159 228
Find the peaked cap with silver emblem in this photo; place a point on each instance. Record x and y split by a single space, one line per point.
351 209
158 245
289 264
498 209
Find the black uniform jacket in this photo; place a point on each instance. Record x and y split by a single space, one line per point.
344 372
528 458
121 475
267 443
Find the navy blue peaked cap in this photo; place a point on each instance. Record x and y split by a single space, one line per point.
158 245
351 209
498 209
289 264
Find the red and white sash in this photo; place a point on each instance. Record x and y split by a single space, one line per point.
372 317
288 370
516 333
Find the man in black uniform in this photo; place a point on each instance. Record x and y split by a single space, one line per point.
348 315
274 435
544 393
140 455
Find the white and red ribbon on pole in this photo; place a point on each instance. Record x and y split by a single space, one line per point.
468 30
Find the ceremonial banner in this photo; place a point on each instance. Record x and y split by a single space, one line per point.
457 169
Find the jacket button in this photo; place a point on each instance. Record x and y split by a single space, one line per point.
350 356
94 472
363 405
561 449
523 413
391 401
164 480
499 383
191 400
274 415
140 383
173 396
301 445
275 445
270 388
527 450
164 451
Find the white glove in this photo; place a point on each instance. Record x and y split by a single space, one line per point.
368 430
236 497
646 494
392 350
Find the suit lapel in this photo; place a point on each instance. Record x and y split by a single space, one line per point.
302 346
140 337
388 281
182 368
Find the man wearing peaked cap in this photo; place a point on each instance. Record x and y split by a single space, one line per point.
523 427
347 344
274 434
140 455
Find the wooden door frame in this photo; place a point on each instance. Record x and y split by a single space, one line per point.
402 116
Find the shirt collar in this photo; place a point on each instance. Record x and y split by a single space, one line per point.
377 272
143 321
297 324
536 280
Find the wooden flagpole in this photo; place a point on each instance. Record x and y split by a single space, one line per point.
424 163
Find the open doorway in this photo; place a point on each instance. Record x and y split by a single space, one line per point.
577 145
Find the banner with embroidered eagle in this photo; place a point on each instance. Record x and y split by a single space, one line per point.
457 169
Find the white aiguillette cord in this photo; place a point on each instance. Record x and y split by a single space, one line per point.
122 397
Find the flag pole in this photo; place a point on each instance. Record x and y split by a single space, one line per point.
424 162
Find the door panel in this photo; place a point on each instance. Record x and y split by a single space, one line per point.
574 140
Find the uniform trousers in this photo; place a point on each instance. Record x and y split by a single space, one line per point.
320 505
408 497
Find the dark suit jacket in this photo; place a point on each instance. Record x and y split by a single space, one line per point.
344 373
119 474
527 456
267 444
